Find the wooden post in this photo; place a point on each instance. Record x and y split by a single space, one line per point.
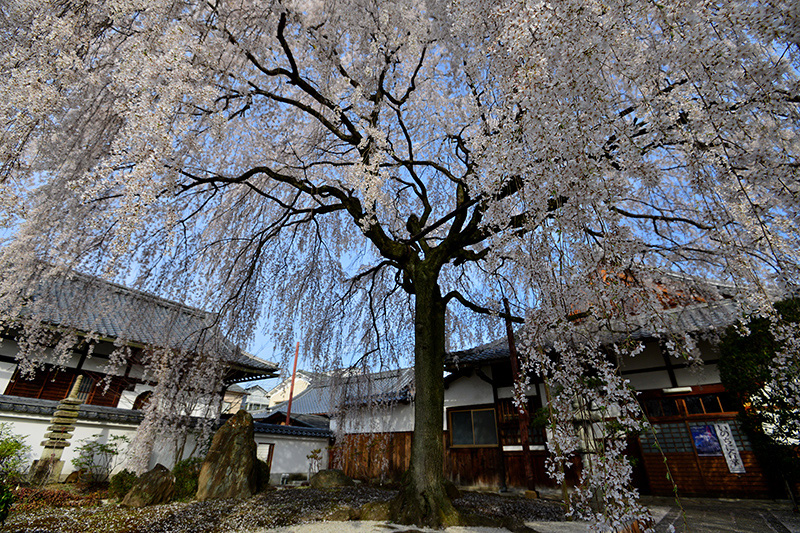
291 387
524 416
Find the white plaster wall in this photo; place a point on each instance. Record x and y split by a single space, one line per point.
128 397
692 377
100 364
6 372
397 418
34 427
649 358
9 347
650 380
289 456
468 391
508 392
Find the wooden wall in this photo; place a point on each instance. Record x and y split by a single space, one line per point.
708 476
55 384
386 456
371 456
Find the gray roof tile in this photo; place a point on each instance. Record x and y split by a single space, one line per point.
697 318
89 304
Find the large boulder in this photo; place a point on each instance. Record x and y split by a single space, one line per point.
229 470
329 479
152 488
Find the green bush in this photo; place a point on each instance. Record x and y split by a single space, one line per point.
6 500
186 473
121 483
13 455
97 459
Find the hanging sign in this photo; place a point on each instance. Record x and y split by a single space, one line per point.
729 449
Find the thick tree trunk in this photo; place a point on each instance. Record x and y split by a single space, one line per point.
424 500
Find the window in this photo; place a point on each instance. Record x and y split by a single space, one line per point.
696 404
85 388
474 427
509 422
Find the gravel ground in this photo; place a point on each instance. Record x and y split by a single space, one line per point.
282 508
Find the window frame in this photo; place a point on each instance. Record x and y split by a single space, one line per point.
471 409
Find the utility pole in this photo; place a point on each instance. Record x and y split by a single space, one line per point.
524 416
291 387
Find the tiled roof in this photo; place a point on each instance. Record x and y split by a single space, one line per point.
315 400
298 431
127 416
90 304
315 421
387 386
696 318
87 412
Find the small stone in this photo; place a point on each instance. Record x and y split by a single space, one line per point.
532 494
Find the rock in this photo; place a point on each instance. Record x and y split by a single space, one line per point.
75 476
377 511
329 479
343 513
152 488
451 490
262 477
229 470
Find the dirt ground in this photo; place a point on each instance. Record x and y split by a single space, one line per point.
272 509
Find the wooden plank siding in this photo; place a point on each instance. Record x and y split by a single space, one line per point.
55 384
386 457
373 456
707 476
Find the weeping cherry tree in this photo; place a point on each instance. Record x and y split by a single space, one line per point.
371 176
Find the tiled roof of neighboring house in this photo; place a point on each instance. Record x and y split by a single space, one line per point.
90 304
315 421
315 400
697 318
298 431
324 398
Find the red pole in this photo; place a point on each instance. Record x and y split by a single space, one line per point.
291 388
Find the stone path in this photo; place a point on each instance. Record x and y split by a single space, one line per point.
704 515
708 515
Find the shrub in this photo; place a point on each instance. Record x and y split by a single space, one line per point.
121 483
14 455
6 500
186 473
97 459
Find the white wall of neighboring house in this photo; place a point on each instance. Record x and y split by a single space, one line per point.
392 418
281 391
290 453
257 399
